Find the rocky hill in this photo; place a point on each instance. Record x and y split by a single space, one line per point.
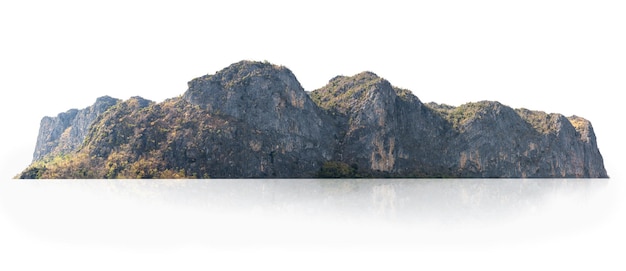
254 120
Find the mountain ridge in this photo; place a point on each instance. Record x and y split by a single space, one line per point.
254 120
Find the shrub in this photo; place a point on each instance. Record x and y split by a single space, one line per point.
336 169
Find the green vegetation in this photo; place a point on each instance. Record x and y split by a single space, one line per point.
336 169
404 94
367 122
540 121
579 123
344 93
133 140
116 166
460 115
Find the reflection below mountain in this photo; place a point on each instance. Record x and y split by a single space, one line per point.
235 212
401 199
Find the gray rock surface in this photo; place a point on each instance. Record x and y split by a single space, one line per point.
390 132
283 133
384 129
66 132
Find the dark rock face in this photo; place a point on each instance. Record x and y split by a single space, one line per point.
254 120
497 141
384 129
263 95
66 132
389 130
280 132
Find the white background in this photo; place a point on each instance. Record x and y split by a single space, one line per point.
556 56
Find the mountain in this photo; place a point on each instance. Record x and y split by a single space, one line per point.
254 120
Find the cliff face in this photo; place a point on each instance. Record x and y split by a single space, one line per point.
66 132
493 140
384 129
389 130
253 119
276 129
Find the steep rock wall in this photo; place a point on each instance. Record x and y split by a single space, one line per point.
66 132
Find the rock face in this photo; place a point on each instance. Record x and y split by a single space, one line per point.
277 129
389 130
384 129
493 140
66 132
254 120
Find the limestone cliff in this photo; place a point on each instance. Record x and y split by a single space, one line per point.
384 129
66 132
254 120
388 130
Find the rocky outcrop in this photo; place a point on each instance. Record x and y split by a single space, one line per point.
254 120
493 140
384 129
66 132
388 130
280 131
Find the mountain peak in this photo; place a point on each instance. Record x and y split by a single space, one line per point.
106 99
343 93
245 68
367 74
262 94
238 72
252 65
359 78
